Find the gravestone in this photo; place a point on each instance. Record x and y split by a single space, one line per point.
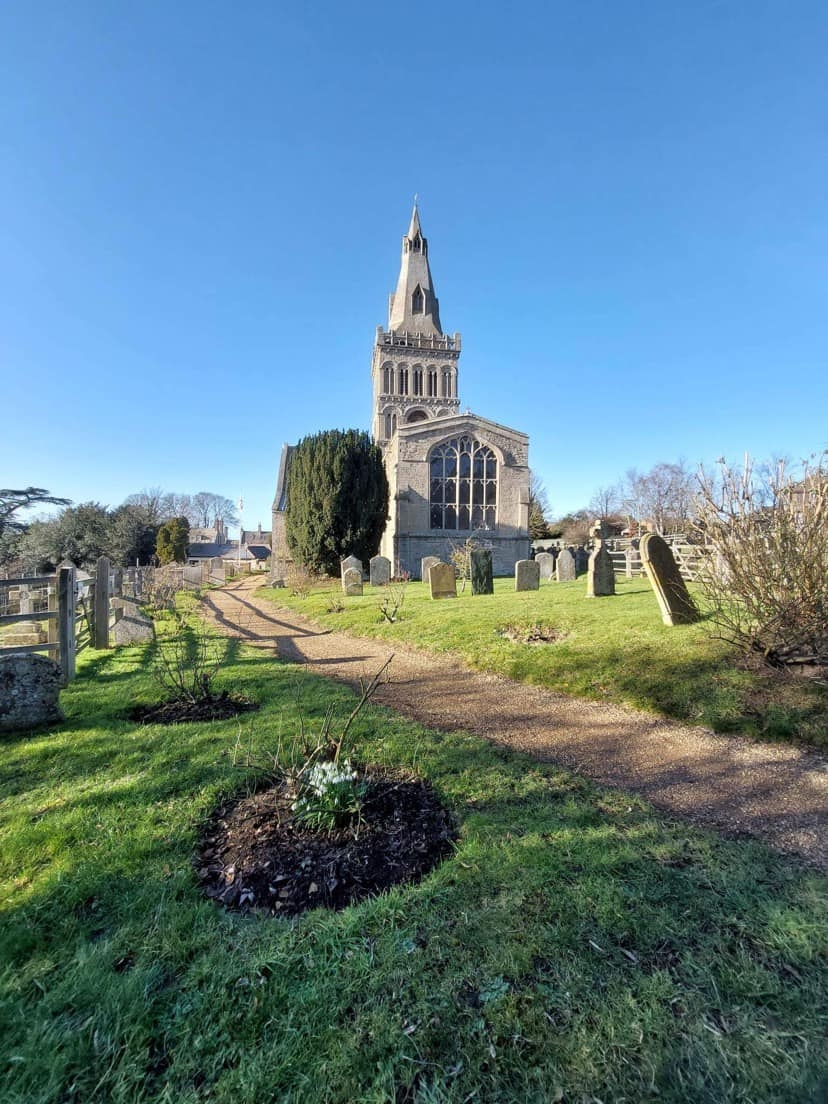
565 566
581 560
379 570
600 570
29 688
527 575
677 607
426 565
352 582
351 563
632 562
443 580
480 565
546 564
133 626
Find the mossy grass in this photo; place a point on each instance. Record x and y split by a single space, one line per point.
613 649
577 946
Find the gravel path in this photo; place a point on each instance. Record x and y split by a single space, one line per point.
773 792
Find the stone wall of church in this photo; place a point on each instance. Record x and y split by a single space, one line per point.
409 536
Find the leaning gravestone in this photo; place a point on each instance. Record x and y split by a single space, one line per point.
350 563
581 560
379 569
480 566
426 565
29 688
352 582
565 566
546 564
600 569
133 626
677 607
443 580
527 575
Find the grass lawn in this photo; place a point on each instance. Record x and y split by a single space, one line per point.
576 947
613 649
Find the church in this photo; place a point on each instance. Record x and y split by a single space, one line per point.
451 475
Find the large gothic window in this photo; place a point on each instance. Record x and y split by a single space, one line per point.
463 485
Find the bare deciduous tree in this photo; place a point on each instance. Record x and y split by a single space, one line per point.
767 575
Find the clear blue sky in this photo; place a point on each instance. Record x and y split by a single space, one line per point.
202 206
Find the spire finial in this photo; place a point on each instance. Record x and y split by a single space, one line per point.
415 199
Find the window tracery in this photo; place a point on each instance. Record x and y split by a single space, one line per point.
463 485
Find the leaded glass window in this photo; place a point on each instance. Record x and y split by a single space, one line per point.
463 485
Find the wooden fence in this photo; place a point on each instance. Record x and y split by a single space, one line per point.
64 613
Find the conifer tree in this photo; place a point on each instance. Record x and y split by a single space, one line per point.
337 499
173 539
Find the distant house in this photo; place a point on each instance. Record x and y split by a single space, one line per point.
210 544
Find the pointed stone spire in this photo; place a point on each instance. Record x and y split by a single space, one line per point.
413 306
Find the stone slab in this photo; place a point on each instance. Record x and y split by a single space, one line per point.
133 626
527 575
675 603
546 565
480 564
565 566
350 563
442 579
600 573
352 582
426 565
379 571
29 689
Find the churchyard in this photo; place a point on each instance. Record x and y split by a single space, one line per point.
613 649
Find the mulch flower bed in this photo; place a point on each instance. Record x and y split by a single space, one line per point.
254 855
218 707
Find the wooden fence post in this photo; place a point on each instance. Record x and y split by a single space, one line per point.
101 604
66 621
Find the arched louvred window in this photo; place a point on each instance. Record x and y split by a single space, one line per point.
403 388
432 383
417 382
463 485
417 301
417 244
446 391
388 424
388 379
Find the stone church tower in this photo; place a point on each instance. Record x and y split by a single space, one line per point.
414 369
451 476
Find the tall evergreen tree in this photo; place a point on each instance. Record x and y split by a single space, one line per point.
173 539
337 499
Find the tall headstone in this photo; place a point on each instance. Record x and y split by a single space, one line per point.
481 571
527 575
442 579
677 607
632 562
426 565
546 564
350 563
352 582
565 566
581 560
379 568
600 569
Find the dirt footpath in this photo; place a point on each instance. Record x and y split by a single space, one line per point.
773 792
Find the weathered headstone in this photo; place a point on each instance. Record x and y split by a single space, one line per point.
546 564
480 564
426 565
600 571
527 575
565 566
581 560
352 582
350 563
632 562
379 568
443 580
133 626
29 688
677 607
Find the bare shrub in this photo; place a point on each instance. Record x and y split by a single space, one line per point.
766 577
186 660
299 580
393 598
460 556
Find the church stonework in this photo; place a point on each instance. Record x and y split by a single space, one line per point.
451 475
